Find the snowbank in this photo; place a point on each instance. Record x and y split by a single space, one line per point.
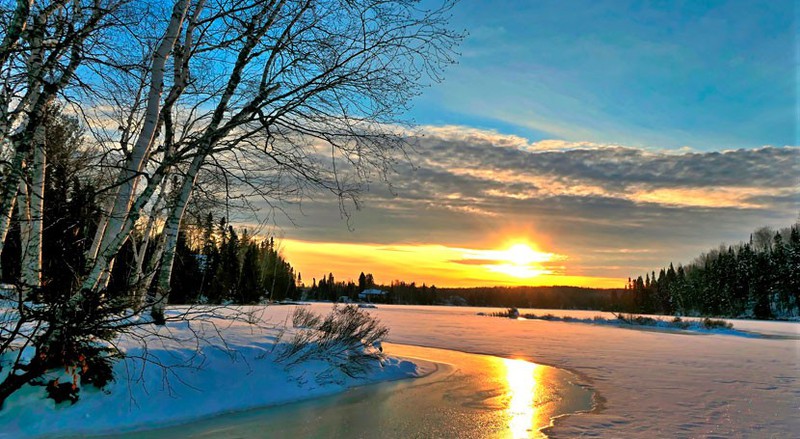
186 377
641 322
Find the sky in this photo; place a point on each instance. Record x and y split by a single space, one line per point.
579 143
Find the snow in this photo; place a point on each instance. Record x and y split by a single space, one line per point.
204 377
648 383
652 383
653 323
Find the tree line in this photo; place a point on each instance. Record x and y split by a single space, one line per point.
552 297
329 289
410 293
225 267
759 278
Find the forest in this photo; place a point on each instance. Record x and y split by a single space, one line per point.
759 278
212 263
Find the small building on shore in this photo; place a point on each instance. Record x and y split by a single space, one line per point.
372 294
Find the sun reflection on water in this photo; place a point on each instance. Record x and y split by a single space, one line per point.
522 413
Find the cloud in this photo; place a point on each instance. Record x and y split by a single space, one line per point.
469 188
489 165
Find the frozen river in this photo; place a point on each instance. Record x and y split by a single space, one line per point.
465 396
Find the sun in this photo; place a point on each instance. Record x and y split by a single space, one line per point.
519 260
522 254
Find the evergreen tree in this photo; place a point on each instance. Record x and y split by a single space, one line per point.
186 277
250 287
362 282
759 278
793 264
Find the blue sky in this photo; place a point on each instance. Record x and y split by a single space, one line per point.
705 74
565 123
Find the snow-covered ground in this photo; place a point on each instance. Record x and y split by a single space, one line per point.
651 384
201 378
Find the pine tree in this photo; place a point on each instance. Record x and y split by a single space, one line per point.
186 277
250 289
793 265
362 282
778 281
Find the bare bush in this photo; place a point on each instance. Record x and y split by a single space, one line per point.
348 339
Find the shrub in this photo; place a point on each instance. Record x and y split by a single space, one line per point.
631 319
715 324
64 337
677 322
508 313
348 338
645 321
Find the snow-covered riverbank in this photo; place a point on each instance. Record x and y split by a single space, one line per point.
200 377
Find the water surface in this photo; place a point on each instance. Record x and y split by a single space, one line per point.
468 396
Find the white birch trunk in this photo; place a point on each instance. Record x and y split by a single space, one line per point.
11 185
15 29
27 269
29 104
142 277
36 199
171 230
129 175
101 265
14 178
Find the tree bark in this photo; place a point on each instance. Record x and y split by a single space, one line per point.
142 277
114 222
171 230
25 231
30 203
15 29
9 195
36 197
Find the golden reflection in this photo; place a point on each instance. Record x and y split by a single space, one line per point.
522 413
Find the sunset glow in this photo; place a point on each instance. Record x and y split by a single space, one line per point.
517 261
517 264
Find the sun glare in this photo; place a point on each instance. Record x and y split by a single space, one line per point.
517 260
522 254
520 260
520 271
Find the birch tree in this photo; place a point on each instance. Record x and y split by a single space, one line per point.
297 94
43 47
313 87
